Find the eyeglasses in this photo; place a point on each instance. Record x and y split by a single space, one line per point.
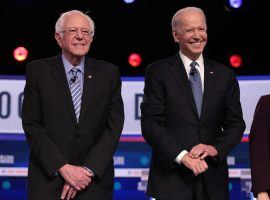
72 31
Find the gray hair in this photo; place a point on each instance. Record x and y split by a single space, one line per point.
182 11
61 19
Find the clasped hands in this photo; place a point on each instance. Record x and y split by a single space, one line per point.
77 178
194 160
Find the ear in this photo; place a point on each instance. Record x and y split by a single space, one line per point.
58 38
91 39
175 35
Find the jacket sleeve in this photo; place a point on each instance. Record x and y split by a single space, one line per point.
41 147
153 118
233 124
260 147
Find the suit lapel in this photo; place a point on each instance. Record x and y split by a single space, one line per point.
178 71
209 82
90 78
58 72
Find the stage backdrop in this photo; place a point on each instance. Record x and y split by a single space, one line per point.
11 96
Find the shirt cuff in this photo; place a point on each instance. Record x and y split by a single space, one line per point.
180 156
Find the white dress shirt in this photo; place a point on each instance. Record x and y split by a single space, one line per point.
200 67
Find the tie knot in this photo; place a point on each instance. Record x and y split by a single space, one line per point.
193 68
74 71
193 64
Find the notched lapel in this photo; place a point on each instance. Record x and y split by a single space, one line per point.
90 77
209 82
178 71
58 72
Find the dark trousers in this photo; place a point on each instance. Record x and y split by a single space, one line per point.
198 191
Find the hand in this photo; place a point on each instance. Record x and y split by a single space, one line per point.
198 166
202 151
263 196
76 177
68 192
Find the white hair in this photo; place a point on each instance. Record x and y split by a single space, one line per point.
183 10
59 23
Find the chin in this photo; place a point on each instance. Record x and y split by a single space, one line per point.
80 53
197 50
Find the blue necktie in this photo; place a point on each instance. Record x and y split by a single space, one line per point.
196 85
76 93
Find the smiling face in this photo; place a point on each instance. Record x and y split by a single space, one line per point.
190 32
75 37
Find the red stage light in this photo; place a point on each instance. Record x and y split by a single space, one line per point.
20 54
236 61
135 60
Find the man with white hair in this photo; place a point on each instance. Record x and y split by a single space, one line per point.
72 116
191 117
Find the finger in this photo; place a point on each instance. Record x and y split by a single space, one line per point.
87 179
195 152
78 185
86 172
195 171
192 156
81 186
73 194
200 152
204 155
70 191
84 183
65 190
200 169
204 164
75 185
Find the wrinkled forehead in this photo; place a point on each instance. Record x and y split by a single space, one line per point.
76 20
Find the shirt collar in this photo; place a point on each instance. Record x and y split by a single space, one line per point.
187 61
68 66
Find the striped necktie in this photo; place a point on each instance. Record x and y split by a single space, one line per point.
76 93
196 85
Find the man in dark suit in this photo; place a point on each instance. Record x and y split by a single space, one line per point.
191 117
259 153
72 116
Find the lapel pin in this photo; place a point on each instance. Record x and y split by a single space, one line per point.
89 76
211 72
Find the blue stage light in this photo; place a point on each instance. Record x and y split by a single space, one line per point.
129 1
6 185
235 3
117 185
144 160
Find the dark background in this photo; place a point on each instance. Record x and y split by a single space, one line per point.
142 27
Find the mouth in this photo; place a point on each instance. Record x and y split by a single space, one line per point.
197 43
79 44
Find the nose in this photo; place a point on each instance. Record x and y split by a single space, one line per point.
196 33
79 34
